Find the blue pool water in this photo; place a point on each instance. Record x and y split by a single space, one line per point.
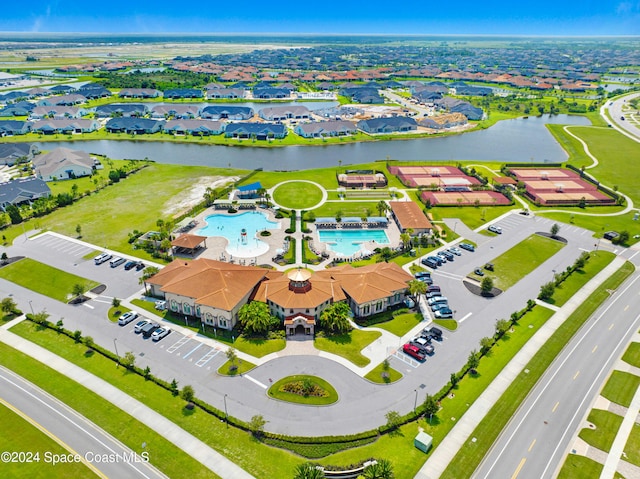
230 227
349 242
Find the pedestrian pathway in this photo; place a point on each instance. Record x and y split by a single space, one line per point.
197 449
455 440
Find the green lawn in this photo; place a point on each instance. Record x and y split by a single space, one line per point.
375 375
599 224
470 215
580 467
330 395
401 324
621 387
347 208
579 278
450 324
607 425
632 355
469 457
30 439
516 263
239 446
243 367
348 345
44 279
297 195
632 449
171 460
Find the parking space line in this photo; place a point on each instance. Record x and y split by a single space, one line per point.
263 386
207 357
406 359
182 341
465 317
192 351
88 306
102 301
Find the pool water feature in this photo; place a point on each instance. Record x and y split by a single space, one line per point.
350 242
241 232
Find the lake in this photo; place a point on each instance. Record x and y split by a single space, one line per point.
521 140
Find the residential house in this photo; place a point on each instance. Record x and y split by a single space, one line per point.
13 96
61 89
388 125
63 164
63 100
194 127
223 112
181 93
139 93
56 112
14 127
270 93
441 122
289 112
175 110
259 131
115 110
93 91
134 126
12 153
409 217
22 190
65 126
321 129
227 93
21 108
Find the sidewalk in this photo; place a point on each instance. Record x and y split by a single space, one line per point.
197 449
455 440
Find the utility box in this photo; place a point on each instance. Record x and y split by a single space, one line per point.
423 441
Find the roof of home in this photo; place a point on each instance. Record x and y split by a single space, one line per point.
193 125
318 127
13 125
409 215
228 110
14 150
392 121
175 109
65 124
132 123
59 158
251 187
257 128
30 187
293 110
188 241
212 283
121 108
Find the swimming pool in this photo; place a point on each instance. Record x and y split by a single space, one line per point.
349 242
242 245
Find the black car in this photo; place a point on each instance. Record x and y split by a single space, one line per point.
467 246
422 274
130 264
139 265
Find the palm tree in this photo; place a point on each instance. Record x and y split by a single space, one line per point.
405 238
382 207
417 287
308 471
380 470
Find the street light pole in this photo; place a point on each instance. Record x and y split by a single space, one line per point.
117 355
31 306
415 401
226 414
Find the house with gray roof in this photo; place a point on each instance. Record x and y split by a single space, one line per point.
22 108
180 93
11 153
114 110
139 93
271 93
93 91
259 131
14 127
63 100
287 112
135 126
56 112
322 129
22 190
61 89
388 125
175 110
229 93
63 164
194 127
223 112
65 126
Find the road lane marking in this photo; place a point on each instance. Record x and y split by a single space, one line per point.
517 471
87 306
263 386
193 350
461 320
531 446
555 406
626 308
594 349
611 327
576 375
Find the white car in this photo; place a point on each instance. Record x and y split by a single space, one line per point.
160 333
127 317
495 229
455 251
101 258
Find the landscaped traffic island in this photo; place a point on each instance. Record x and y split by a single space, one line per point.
304 389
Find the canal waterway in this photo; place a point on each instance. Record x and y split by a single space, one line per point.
524 140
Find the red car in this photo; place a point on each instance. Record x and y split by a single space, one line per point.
413 351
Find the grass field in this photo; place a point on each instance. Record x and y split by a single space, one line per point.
44 279
243 367
375 375
621 387
632 355
579 278
516 263
348 345
580 467
347 208
297 195
471 216
468 458
31 439
607 425
330 396
632 449
599 224
401 324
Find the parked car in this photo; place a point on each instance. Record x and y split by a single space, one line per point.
436 306
433 289
447 255
424 345
130 265
413 351
443 313
140 324
478 271
495 229
436 333
436 299
127 317
160 333
488 266
139 266
455 251
422 274
437 259
161 305
429 262
115 262
433 294
148 329
442 256
101 258
426 279
468 247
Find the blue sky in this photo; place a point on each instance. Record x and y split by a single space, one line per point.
544 17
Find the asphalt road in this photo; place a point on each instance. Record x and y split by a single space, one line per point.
538 436
101 452
616 112
192 361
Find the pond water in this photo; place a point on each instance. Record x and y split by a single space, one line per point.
519 140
